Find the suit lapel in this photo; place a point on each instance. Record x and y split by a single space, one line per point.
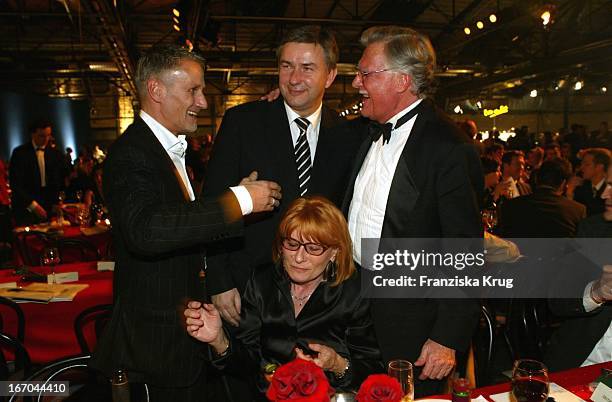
152 143
278 137
325 147
359 158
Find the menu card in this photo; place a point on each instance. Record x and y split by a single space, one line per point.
43 292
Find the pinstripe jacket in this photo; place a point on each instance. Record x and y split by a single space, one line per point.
158 236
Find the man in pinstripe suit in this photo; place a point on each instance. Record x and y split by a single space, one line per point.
159 229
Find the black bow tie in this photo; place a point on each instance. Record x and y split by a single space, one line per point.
376 129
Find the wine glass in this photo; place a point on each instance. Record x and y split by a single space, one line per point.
401 370
529 381
50 258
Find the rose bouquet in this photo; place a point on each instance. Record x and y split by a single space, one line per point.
299 380
380 388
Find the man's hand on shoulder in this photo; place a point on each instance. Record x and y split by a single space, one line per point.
229 304
437 360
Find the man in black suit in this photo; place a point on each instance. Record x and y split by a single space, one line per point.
159 228
35 176
546 212
423 179
266 137
588 189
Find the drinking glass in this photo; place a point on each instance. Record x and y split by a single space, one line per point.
401 370
79 195
83 216
50 258
529 381
61 196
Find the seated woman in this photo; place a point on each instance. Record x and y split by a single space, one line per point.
307 304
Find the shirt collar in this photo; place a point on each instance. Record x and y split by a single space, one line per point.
314 118
397 116
36 147
598 185
172 144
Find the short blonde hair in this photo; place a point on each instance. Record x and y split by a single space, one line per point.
319 220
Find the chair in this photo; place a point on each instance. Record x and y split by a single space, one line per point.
15 344
99 315
482 344
30 245
77 250
23 363
85 383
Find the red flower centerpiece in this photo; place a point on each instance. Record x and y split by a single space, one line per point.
299 380
380 388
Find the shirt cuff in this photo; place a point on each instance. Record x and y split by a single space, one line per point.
244 199
588 303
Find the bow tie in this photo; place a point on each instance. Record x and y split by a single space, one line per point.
376 129
180 147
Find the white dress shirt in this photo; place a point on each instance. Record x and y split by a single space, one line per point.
602 352
40 157
175 147
372 185
312 133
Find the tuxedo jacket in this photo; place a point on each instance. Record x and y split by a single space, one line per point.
157 236
584 195
541 214
434 193
580 331
25 179
256 136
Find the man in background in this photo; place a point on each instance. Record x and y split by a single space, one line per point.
35 176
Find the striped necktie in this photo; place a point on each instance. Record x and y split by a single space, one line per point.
302 156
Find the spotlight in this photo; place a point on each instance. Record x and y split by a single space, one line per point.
604 89
578 85
458 109
545 17
467 30
176 28
480 25
176 20
176 12
493 18
533 93
479 104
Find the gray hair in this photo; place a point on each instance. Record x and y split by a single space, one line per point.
160 59
313 34
408 51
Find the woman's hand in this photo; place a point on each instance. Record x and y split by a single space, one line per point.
327 358
204 324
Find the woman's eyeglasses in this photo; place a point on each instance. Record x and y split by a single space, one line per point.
315 249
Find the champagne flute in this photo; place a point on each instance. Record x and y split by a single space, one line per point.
50 258
401 370
529 381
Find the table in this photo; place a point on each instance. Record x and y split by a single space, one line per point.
574 380
49 328
32 246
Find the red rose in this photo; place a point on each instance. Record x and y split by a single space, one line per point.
299 380
380 388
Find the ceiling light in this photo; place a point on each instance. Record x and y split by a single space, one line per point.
176 20
176 12
480 25
545 17
578 85
604 89
467 30
458 109
493 18
176 28
533 93
479 104
561 83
